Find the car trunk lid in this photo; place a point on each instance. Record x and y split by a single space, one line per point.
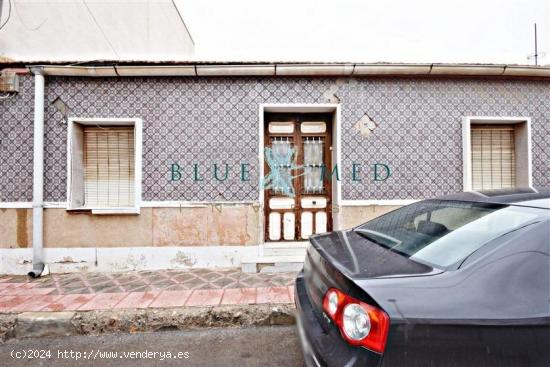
339 258
360 258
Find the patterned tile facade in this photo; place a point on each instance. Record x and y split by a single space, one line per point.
188 121
419 130
16 142
215 120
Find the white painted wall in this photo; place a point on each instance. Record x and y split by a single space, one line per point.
87 30
119 259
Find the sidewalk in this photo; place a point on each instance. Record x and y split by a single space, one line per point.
143 290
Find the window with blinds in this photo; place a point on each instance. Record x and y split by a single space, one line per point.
109 172
493 157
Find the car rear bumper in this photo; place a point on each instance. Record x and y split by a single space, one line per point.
326 348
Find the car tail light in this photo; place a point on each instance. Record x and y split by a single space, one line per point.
359 323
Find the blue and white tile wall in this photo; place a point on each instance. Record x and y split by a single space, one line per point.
419 134
215 120
16 141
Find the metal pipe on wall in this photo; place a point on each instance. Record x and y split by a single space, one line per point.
38 176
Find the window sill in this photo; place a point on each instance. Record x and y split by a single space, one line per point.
107 211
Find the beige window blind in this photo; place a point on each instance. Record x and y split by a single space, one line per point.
109 167
493 157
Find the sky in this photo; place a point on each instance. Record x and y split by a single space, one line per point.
415 31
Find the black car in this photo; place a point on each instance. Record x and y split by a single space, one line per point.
462 280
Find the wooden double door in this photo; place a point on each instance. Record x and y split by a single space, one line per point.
298 182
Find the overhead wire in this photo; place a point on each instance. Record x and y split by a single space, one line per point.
9 15
100 29
7 96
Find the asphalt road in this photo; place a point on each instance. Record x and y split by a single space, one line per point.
260 346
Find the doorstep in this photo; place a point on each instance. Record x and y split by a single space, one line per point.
273 264
284 248
277 257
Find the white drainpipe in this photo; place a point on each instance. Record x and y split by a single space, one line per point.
38 176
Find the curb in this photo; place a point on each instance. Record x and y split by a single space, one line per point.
52 324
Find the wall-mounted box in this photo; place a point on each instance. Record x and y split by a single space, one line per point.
9 82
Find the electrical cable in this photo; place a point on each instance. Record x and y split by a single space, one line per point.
9 15
7 96
100 29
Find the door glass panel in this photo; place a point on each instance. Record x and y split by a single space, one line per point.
274 226
281 127
320 222
313 127
284 158
307 224
288 226
281 203
312 180
314 202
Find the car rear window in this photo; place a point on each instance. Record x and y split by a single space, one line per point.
440 233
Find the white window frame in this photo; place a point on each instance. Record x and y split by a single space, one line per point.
138 126
524 169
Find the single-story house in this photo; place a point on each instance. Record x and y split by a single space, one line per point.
124 166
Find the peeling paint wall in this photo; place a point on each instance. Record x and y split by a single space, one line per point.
22 224
161 238
158 227
209 225
15 228
120 259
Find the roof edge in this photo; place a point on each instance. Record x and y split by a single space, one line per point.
103 69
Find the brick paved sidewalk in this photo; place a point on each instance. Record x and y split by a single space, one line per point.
150 289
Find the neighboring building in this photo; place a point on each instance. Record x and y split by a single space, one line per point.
80 31
135 155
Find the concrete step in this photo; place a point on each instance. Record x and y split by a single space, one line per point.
273 264
285 248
